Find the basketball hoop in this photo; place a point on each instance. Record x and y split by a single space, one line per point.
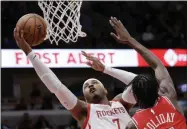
62 19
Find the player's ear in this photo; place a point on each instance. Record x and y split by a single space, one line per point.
106 91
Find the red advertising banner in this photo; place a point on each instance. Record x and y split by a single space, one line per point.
169 57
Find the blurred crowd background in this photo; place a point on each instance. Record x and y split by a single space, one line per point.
154 24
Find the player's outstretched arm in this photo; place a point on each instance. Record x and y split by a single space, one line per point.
65 96
161 73
126 97
122 75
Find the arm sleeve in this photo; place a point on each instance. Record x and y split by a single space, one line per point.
123 76
64 95
126 78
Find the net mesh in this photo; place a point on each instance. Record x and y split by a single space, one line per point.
62 18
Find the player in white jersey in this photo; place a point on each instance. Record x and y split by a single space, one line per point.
97 112
109 116
115 114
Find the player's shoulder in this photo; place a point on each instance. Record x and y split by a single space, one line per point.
116 102
139 114
112 104
165 100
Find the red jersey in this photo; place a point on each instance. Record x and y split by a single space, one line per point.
162 116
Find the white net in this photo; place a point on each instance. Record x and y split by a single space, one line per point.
62 18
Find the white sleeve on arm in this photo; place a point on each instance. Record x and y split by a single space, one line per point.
128 95
64 95
125 77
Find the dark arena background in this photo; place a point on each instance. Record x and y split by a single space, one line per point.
27 104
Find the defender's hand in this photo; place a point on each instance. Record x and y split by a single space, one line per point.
22 44
94 62
122 35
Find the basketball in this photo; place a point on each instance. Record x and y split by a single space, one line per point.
34 27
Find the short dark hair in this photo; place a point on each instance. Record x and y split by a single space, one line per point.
145 89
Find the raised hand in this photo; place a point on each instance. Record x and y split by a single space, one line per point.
93 62
122 35
22 44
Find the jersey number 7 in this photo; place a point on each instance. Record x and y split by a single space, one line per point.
116 121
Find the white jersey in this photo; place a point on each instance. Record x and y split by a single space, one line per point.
102 116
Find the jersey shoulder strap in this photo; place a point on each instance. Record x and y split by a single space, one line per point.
168 101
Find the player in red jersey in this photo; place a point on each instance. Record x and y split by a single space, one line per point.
156 96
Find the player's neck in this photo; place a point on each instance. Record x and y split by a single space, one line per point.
148 106
104 101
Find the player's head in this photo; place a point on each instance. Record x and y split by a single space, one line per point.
145 90
94 91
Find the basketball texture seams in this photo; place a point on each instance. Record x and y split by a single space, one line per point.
34 28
